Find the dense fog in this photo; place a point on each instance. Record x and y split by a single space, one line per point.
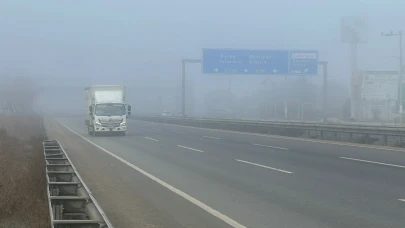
61 47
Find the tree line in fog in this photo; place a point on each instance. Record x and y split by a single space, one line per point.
17 94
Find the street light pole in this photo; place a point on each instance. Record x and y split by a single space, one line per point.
183 82
400 74
183 88
399 34
325 90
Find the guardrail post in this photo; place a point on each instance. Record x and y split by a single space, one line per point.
321 134
350 137
65 188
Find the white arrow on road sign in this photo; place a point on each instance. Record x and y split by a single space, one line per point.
305 71
274 71
216 69
245 70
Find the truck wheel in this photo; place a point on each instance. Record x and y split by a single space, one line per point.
89 131
94 133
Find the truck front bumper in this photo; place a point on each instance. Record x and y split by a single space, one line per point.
106 129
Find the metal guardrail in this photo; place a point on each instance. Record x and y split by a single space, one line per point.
279 127
71 204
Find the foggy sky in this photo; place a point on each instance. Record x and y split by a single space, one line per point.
144 41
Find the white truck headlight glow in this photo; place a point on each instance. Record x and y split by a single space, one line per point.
123 124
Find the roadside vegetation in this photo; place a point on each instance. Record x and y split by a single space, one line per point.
23 199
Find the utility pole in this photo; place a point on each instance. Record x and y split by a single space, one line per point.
355 85
354 30
400 106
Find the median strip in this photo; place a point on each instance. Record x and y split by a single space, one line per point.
263 166
189 148
373 162
274 147
151 139
316 127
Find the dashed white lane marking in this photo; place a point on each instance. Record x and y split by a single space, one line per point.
274 147
189 148
178 132
151 139
210 137
403 200
263 166
280 137
373 162
191 199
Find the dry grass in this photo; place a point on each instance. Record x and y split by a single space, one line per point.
23 200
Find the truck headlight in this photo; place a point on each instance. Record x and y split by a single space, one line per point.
97 124
123 124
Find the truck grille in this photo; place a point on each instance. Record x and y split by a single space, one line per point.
110 124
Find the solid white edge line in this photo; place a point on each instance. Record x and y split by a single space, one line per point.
210 137
151 139
189 198
379 163
274 147
263 166
189 148
403 200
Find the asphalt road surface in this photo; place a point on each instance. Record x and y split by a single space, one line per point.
172 176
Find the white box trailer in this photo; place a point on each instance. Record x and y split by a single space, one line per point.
106 110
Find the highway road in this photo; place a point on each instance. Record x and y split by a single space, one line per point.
173 176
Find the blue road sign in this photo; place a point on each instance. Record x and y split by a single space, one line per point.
278 62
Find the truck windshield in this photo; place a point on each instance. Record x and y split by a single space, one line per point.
110 109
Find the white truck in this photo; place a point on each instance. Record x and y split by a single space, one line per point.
106 110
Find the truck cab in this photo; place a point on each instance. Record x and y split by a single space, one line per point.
106 110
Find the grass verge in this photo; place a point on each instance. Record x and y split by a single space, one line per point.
23 200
